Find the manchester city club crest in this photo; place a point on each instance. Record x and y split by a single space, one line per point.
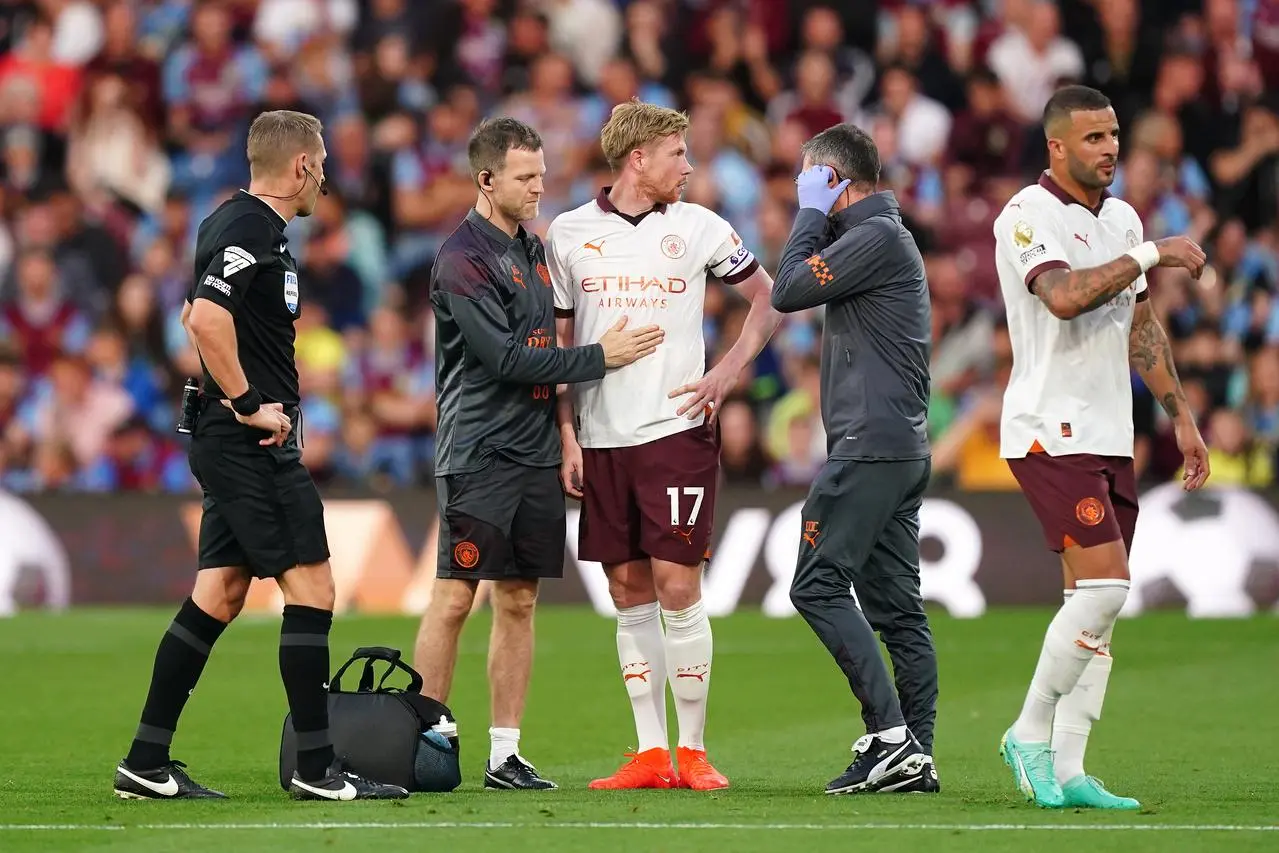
673 246
291 291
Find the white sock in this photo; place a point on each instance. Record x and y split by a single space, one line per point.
897 734
1078 710
503 743
688 653
641 651
1073 639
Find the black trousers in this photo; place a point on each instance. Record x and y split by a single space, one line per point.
861 531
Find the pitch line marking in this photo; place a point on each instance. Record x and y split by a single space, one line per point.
775 827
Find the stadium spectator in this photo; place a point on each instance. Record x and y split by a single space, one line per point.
122 123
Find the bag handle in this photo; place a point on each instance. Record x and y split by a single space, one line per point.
369 654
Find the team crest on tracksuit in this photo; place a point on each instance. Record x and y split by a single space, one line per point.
291 291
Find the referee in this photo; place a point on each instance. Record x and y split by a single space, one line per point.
497 451
861 519
262 516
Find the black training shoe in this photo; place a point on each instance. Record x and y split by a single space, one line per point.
516 774
923 782
877 764
166 782
343 785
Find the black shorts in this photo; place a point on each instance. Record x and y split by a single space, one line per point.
504 522
261 508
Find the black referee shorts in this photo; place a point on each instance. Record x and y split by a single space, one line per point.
261 508
504 522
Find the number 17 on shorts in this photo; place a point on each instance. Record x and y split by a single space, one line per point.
654 500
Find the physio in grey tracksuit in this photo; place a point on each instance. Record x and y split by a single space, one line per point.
861 518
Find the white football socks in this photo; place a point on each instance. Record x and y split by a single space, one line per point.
1074 637
642 653
503 743
688 654
1078 710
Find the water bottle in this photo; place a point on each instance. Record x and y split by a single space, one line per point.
445 729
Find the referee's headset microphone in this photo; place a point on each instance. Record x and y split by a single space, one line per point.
323 189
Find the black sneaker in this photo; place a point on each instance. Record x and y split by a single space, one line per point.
516 774
166 782
923 782
878 763
343 785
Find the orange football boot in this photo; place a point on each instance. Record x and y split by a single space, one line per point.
648 769
696 772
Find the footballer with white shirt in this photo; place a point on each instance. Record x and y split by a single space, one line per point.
1072 265
640 446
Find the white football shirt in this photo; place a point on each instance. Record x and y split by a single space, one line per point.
1070 390
652 269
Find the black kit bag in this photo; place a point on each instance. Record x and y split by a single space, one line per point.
385 733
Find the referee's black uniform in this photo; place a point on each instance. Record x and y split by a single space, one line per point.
497 449
261 508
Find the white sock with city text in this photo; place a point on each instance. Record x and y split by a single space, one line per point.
689 647
1078 710
1073 639
641 651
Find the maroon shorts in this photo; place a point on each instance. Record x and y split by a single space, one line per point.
1080 499
650 500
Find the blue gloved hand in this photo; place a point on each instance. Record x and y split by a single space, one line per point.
815 191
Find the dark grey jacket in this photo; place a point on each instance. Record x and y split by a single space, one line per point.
864 266
496 362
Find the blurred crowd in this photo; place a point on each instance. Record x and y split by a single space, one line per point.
122 124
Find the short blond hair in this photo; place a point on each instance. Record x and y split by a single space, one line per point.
635 124
276 137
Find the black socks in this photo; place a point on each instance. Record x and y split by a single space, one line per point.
184 650
304 666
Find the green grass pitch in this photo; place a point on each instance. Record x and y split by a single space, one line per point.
1191 728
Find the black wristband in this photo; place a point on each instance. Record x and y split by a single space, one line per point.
247 403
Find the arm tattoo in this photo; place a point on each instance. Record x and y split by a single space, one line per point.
1151 354
1144 342
1069 293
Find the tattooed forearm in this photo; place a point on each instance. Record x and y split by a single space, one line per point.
1144 343
1151 354
1069 293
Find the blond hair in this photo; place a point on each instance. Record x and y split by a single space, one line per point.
276 137
635 124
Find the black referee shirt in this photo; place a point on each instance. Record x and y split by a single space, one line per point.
242 263
497 363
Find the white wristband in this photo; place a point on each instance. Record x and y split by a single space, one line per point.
1146 255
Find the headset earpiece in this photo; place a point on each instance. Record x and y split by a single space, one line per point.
487 181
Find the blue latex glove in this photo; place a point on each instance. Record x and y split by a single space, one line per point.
815 191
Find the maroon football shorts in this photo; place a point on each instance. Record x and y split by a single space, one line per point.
1080 499
650 500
